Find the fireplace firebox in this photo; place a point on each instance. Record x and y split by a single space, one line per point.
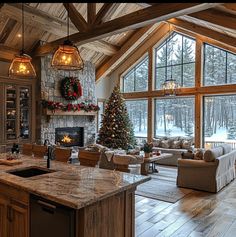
70 136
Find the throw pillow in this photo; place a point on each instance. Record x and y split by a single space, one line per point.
212 154
165 143
187 155
198 154
156 142
186 144
176 144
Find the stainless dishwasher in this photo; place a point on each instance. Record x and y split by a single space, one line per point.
49 219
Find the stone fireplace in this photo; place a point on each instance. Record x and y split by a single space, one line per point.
50 90
70 136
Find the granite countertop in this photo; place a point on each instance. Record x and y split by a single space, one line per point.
71 185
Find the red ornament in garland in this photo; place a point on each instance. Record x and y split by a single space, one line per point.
71 88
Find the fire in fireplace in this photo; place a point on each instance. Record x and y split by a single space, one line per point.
69 136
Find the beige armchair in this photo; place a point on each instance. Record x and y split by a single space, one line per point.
207 176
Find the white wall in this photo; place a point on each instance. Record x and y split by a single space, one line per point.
104 88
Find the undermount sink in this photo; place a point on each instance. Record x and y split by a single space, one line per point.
30 171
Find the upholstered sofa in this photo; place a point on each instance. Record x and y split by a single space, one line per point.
173 145
216 170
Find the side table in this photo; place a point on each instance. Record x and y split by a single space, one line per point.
151 160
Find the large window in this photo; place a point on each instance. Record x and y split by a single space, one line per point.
220 120
136 79
137 110
175 57
174 117
219 66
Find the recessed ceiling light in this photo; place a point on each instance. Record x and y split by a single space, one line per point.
19 35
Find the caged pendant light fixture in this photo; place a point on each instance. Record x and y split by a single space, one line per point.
67 56
170 85
21 64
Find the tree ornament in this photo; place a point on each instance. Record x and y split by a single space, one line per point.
116 120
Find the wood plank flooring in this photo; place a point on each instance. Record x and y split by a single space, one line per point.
197 214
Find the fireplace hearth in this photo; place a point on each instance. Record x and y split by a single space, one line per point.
70 136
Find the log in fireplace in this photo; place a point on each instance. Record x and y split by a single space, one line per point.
70 136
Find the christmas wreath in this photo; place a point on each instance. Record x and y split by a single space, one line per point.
71 88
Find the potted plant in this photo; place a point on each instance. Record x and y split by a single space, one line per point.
147 148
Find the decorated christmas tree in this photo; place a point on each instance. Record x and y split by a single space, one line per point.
116 129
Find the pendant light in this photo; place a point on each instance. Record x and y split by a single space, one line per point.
170 85
21 65
67 56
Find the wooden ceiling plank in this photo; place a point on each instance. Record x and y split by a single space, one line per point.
130 21
91 13
131 44
37 18
102 47
198 29
217 17
76 17
102 12
7 53
7 30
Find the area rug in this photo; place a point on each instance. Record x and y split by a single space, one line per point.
162 186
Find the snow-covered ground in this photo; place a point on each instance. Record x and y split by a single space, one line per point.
219 136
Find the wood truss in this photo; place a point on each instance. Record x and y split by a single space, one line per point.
97 28
90 33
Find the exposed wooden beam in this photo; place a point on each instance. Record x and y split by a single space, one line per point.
102 12
228 40
7 30
217 17
124 52
91 13
46 22
38 19
230 6
130 21
7 53
76 17
102 47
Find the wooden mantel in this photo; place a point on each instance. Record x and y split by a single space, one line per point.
50 113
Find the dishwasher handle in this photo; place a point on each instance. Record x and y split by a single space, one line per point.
47 206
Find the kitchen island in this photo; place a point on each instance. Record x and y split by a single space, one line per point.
102 201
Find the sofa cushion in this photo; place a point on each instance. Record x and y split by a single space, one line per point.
156 142
187 155
212 154
226 148
175 144
186 144
166 143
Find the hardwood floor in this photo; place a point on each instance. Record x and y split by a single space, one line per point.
197 214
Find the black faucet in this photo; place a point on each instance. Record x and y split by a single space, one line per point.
49 155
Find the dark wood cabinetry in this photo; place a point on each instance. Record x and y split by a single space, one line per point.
17 112
14 209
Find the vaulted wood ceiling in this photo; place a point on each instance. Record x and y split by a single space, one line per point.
107 33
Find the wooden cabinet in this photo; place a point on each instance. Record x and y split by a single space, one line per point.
3 216
17 112
18 220
13 212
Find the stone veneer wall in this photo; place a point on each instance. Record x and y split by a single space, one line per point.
50 90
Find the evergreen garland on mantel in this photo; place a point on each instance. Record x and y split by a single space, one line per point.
52 105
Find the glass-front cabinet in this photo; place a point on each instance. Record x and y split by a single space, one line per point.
17 113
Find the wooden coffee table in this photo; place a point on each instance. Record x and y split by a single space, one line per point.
145 166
